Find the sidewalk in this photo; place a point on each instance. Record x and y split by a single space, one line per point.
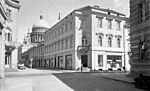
13 81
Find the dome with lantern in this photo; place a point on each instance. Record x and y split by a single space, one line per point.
40 25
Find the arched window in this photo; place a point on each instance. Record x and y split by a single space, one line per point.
109 42
100 41
84 40
118 43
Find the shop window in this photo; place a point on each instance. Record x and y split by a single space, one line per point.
68 61
100 60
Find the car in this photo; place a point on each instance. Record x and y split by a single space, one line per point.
21 66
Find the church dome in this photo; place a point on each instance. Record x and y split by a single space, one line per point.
40 23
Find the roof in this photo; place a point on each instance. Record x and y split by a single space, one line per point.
101 9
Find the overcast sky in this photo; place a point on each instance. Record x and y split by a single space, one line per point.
30 10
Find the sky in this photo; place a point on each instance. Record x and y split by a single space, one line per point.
30 10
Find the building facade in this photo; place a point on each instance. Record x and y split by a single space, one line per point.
90 36
11 33
8 34
33 43
140 26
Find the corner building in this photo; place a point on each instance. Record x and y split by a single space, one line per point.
140 36
91 36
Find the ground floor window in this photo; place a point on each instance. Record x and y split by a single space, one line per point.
114 61
69 61
100 60
60 61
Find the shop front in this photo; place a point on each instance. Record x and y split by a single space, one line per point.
114 62
68 61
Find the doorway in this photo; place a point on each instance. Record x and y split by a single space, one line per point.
84 59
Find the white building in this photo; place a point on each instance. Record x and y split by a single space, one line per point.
92 36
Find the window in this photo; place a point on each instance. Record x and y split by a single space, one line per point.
100 41
66 43
59 31
62 29
71 41
109 42
109 23
8 13
66 26
118 43
118 25
99 22
84 40
100 60
62 44
70 25
58 45
143 11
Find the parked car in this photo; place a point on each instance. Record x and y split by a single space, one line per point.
21 66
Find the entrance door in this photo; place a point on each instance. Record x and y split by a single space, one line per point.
84 59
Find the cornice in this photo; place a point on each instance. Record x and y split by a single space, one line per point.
12 4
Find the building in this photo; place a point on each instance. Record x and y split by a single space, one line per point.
11 33
8 34
90 36
32 42
140 26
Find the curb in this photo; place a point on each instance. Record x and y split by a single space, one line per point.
118 80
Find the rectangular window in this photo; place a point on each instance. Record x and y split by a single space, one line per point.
66 26
62 44
118 25
109 23
62 29
99 22
66 43
58 45
71 41
100 60
70 25
59 31
143 11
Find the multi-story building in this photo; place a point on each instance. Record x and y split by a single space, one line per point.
33 43
11 33
140 26
90 36
8 34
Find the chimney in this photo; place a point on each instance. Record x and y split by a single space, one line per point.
96 6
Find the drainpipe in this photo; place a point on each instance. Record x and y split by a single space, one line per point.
124 49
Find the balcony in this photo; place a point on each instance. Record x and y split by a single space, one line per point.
10 46
83 48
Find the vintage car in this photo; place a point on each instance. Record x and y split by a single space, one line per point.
21 66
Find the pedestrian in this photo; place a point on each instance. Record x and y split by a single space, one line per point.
81 67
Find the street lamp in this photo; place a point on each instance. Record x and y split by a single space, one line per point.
31 62
130 55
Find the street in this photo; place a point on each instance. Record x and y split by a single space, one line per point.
53 80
